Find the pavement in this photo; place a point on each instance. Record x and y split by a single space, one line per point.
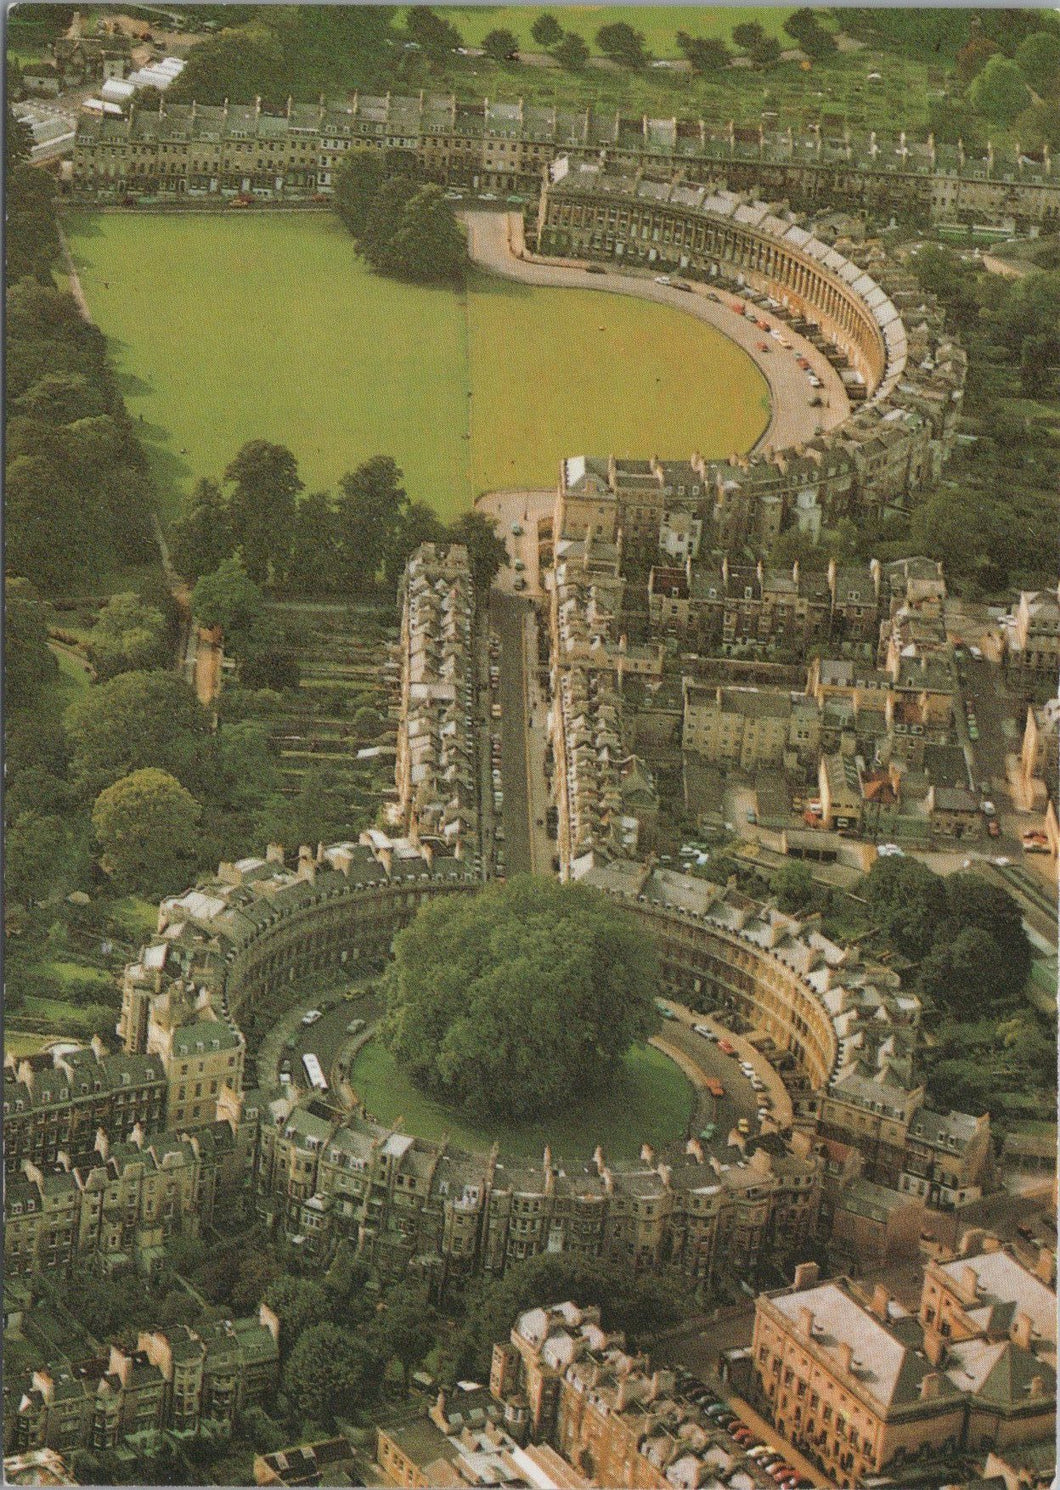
697 1055
327 1038
793 421
523 740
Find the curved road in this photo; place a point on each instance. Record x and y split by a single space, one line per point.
793 421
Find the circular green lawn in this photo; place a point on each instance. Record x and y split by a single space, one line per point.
649 1101
227 327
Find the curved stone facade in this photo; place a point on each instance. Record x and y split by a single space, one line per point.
904 373
260 924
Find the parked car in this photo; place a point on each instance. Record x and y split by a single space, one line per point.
595 269
726 1047
704 1032
312 1016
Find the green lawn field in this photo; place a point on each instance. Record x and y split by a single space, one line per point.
648 1102
658 24
234 327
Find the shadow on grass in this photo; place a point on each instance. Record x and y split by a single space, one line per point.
129 385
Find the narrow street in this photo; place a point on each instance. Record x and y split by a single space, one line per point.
509 615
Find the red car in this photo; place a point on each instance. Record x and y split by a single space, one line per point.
726 1047
802 362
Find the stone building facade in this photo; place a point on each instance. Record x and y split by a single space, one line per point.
493 145
860 1385
174 1378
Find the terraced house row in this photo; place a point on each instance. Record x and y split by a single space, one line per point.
176 1378
846 1027
437 802
325 1176
502 146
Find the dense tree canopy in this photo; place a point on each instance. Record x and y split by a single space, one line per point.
621 43
129 634
705 54
78 489
28 662
331 1373
227 598
907 903
486 551
202 537
999 92
263 484
299 50
546 30
804 27
399 225
430 31
136 720
572 52
1038 59
508 1003
147 827
501 45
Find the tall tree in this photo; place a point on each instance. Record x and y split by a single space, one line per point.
501 45
129 635
429 31
28 661
622 44
62 398
804 27
705 54
136 720
370 510
147 826
1038 59
406 1330
486 551
999 92
314 567
228 598
263 484
546 30
428 244
202 537
572 52
506 1005
419 524
906 901
332 1373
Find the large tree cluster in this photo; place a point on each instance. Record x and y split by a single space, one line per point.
520 1001
322 543
299 51
399 225
965 933
78 489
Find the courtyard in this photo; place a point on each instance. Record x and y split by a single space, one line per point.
266 325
